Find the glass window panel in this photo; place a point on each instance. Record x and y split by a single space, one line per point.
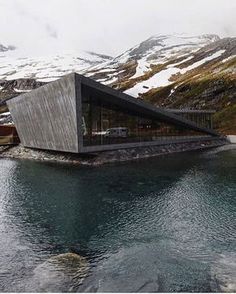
104 123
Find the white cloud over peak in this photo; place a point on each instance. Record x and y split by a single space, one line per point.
107 26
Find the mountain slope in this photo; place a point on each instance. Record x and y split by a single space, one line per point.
200 73
147 58
169 71
15 65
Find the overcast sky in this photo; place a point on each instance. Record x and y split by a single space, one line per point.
108 26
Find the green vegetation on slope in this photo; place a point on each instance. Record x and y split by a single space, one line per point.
225 120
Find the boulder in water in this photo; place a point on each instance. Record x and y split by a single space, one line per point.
224 274
60 273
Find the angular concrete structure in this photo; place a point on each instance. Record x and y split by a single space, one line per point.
76 114
46 118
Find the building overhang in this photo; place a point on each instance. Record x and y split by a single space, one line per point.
140 106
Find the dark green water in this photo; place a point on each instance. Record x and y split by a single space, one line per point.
165 224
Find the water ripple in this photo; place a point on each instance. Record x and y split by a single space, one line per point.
161 225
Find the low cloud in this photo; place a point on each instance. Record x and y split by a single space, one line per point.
51 31
108 26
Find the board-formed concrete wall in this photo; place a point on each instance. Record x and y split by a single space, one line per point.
46 117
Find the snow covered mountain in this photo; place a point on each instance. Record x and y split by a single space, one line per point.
138 60
15 65
153 52
175 71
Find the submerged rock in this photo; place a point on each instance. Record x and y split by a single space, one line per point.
127 270
60 273
224 274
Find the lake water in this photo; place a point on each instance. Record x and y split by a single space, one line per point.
163 224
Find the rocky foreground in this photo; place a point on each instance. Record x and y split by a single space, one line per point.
95 159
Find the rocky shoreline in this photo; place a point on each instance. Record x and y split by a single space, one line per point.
95 159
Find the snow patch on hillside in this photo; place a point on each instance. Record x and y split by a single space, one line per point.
21 91
180 62
228 58
142 66
202 61
162 78
3 114
110 81
182 39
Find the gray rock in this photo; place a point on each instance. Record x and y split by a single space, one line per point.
61 273
223 274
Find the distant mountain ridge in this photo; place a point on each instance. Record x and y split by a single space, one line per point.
16 65
175 71
153 52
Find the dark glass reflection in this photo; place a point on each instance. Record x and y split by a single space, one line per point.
203 120
105 123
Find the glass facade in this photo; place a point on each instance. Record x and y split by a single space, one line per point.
203 120
105 123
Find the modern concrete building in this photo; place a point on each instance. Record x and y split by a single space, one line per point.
77 114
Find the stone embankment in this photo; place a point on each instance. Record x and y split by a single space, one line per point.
99 158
